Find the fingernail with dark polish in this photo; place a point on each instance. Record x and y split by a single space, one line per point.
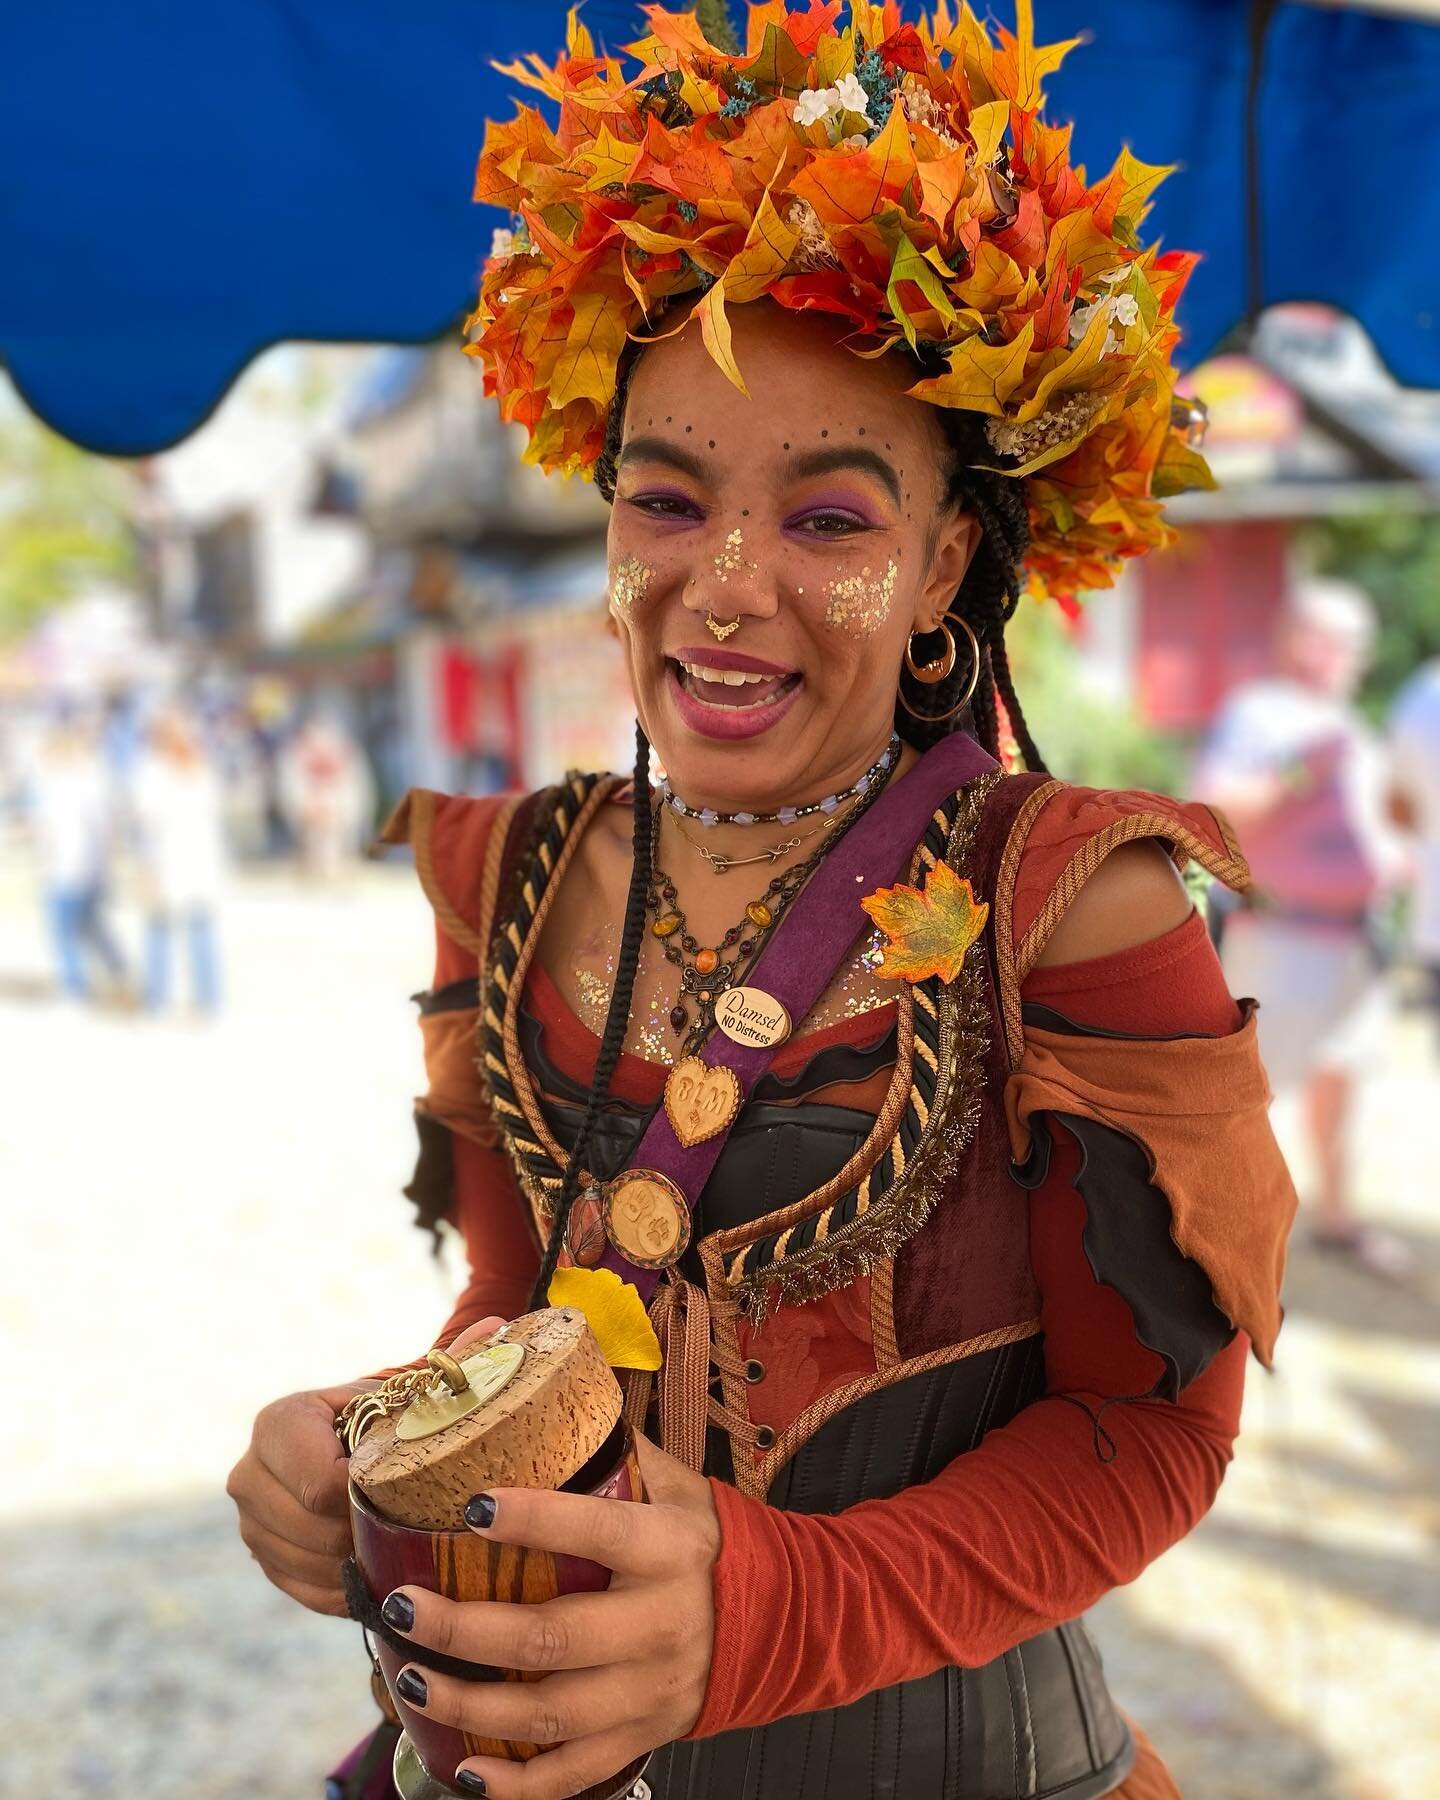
470 1782
399 1612
411 1686
479 1511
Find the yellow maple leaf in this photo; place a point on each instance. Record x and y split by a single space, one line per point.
981 377
614 1312
929 929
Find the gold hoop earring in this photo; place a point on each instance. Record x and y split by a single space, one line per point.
925 673
931 672
720 631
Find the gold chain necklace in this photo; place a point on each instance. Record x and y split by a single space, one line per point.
721 865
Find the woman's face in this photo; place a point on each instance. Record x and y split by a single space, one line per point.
807 522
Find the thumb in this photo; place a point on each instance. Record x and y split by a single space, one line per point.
477 1333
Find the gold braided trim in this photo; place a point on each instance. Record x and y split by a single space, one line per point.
754 1478
525 953
882 1314
1002 918
1231 868
882 1222
493 864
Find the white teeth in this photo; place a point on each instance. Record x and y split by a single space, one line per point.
725 677
735 678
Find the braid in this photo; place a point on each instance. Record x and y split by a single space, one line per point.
617 1018
986 599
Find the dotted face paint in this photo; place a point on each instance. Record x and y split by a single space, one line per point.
629 585
730 561
860 604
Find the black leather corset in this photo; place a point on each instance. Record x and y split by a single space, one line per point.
1037 1721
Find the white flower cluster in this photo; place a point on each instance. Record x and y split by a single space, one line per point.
1121 309
504 242
818 106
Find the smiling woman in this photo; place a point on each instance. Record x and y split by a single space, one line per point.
950 1138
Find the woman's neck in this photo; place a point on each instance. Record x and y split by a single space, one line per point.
711 864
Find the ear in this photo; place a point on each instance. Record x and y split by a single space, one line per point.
956 542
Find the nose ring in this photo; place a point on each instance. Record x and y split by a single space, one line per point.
721 631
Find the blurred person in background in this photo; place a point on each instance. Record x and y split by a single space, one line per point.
1303 780
327 795
1415 808
176 808
72 817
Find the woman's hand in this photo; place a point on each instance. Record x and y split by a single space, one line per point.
290 1487
624 1670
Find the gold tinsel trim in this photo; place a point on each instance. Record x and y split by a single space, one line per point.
835 1258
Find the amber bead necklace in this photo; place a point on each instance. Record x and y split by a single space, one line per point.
711 969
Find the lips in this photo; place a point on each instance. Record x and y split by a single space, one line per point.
729 696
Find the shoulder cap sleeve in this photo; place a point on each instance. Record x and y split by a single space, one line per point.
1059 838
459 845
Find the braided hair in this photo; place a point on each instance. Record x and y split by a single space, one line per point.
617 1018
986 598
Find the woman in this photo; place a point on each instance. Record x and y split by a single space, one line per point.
1007 1174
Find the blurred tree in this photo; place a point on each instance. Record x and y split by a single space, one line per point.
1083 736
63 523
716 23
1395 558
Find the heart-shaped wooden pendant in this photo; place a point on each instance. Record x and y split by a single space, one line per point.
700 1101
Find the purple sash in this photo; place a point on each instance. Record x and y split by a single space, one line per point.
807 947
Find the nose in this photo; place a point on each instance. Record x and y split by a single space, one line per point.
732 583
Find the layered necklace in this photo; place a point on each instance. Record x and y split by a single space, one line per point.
708 970
707 816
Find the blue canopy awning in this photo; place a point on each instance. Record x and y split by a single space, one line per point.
184 185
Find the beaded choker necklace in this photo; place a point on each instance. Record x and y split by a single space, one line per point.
787 815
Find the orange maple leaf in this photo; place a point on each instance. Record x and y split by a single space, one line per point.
929 929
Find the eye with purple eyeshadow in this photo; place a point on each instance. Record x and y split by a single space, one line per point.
830 518
669 505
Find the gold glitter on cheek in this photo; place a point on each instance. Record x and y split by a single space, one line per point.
730 561
860 604
629 585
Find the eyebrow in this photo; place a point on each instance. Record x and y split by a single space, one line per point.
798 468
856 456
656 449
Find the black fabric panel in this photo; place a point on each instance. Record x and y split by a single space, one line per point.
1130 1248
774 1155
431 1188
455 996
1045 1018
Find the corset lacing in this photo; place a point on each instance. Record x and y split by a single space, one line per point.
680 1314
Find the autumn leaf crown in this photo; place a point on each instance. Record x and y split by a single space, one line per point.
897 175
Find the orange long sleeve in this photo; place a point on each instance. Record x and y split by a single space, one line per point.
1031 1527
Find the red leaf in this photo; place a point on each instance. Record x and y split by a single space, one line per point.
904 50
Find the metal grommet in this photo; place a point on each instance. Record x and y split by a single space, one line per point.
764 1437
754 1370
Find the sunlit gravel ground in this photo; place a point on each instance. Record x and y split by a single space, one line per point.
198 1218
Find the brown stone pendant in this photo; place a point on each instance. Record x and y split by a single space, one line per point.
585 1237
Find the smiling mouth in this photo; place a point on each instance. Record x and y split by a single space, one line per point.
733 690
